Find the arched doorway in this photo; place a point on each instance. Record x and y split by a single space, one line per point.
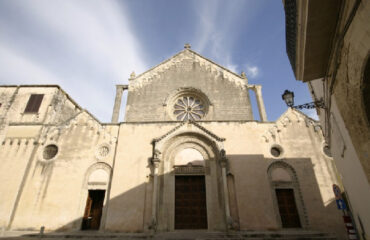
190 193
96 184
286 195
190 190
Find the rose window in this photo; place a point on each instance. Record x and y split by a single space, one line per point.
188 108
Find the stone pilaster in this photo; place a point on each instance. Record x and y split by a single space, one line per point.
261 106
155 165
223 164
117 102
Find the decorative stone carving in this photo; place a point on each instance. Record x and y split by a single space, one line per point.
102 151
203 129
223 159
154 73
156 158
191 169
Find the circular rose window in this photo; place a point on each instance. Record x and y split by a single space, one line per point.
188 108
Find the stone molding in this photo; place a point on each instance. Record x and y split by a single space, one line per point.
290 117
198 126
187 54
53 132
99 165
191 169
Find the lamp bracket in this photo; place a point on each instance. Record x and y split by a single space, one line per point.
311 105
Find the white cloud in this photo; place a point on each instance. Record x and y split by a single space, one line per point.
85 47
252 71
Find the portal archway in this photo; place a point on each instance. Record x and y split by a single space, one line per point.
190 161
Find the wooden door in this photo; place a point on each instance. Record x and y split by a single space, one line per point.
93 210
287 208
190 202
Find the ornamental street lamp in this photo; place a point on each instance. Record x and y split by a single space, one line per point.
288 97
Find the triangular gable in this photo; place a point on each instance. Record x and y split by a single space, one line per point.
84 118
289 117
187 54
174 131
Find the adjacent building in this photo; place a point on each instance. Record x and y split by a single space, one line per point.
328 45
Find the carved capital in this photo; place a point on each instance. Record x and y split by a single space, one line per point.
155 162
223 159
156 159
223 162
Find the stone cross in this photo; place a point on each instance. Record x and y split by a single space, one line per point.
187 46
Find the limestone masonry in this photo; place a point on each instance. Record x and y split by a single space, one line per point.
189 155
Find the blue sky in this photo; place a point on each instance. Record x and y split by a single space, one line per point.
87 47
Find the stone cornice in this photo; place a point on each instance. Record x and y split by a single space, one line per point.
203 129
187 54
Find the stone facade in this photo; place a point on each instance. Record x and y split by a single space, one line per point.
341 47
185 117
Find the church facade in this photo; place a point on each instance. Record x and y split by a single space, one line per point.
189 155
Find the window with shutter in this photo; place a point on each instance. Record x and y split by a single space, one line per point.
34 103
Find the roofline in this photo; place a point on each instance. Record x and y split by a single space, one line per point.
167 60
58 87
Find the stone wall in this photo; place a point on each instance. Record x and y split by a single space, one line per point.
149 96
349 132
247 148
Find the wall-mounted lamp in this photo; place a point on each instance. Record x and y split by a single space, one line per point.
288 97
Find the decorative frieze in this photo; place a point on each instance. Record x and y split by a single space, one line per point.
185 59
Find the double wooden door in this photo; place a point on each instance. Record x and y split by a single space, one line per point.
93 210
190 202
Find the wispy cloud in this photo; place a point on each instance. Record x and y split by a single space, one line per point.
213 34
219 27
85 48
252 71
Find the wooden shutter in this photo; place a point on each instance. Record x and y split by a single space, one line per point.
34 103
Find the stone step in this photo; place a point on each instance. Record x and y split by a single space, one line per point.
188 235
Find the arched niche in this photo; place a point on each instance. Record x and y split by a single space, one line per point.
279 174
